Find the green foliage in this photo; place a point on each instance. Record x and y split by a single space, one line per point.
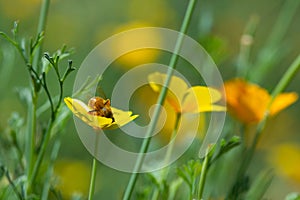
29 145
192 172
293 196
7 55
260 186
224 147
215 46
189 173
29 151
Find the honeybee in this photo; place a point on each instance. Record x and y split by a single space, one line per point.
100 107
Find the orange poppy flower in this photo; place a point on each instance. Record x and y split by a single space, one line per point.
248 102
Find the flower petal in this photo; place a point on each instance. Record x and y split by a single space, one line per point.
81 111
282 101
246 101
176 89
249 102
122 117
201 99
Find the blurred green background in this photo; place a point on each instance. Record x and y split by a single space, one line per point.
217 25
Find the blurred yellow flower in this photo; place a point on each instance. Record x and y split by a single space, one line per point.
143 103
131 40
72 178
83 112
248 102
184 99
285 158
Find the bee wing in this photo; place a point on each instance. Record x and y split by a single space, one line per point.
100 92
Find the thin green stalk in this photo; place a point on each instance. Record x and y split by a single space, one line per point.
155 194
46 138
11 183
282 84
42 23
31 134
203 176
41 153
165 171
41 28
280 87
94 170
93 178
269 55
16 45
281 27
245 47
286 79
160 101
49 172
171 146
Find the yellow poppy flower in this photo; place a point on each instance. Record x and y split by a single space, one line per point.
248 102
184 99
82 111
167 120
286 159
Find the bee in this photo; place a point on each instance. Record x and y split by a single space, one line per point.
100 107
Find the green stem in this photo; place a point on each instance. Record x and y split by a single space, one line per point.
171 146
49 172
203 176
93 178
31 133
287 77
47 135
94 170
41 28
280 87
166 170
42 152
160 101
11 182
46 138
284 81
155 194
269 55
16 45
245 47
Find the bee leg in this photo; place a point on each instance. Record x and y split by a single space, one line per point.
93 112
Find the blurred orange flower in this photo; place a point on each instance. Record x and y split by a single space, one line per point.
184 99
249 102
